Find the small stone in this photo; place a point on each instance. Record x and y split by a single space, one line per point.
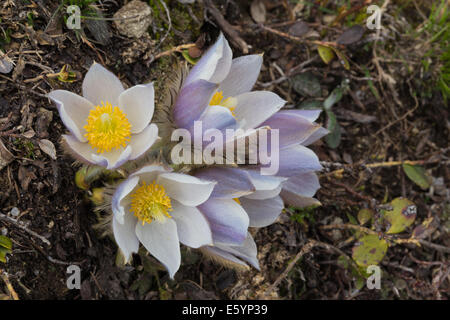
15 212
133 27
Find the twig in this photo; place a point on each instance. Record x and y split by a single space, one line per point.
434 246
226 26
305 249
21 226
174 49
9 286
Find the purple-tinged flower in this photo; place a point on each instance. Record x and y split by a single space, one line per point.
241 199
108 125
217 91
160 209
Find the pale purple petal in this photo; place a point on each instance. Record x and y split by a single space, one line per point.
247 250
297 159
293 129
220 255
214 65
100 85
316 135
138 103
161 240
142 142
192 227
217 117
295 200
149 173
265 186
253 108
262 212
304 184
242 76
227 219
120 200
125 235
73 111
188 190
232 182
192 102
310 115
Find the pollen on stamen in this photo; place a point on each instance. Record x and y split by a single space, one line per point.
107 128
150 202
230 103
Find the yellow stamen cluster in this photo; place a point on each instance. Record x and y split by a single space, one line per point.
107 128
230 103
150 202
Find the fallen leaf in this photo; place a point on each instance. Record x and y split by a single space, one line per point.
351 35
258 11
48 147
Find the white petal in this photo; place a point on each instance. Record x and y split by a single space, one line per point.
255 107
214 65
247 250
262 212
114 158
304 184
73 110
142 142
266 186
161 240
119 199
100 85
150 173
193 228
125 235
298 201
242 76
188 190
138 103
80 149
316 135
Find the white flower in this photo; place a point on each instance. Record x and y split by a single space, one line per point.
109 125
158 208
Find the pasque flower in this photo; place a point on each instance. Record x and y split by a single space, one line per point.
160 208
241 199
108 125
217 91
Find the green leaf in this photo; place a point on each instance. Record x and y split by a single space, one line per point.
334 97
401 216
326 53
334 137
418 175
365 215
185 54
306 84
369 250
5 248
342 59
5 242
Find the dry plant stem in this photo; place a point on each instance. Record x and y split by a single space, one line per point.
297 39
174 49
8 284
21 226
226 26
305 249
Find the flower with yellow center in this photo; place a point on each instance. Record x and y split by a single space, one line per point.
150 202
107 128
230 103
108 125
159 208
